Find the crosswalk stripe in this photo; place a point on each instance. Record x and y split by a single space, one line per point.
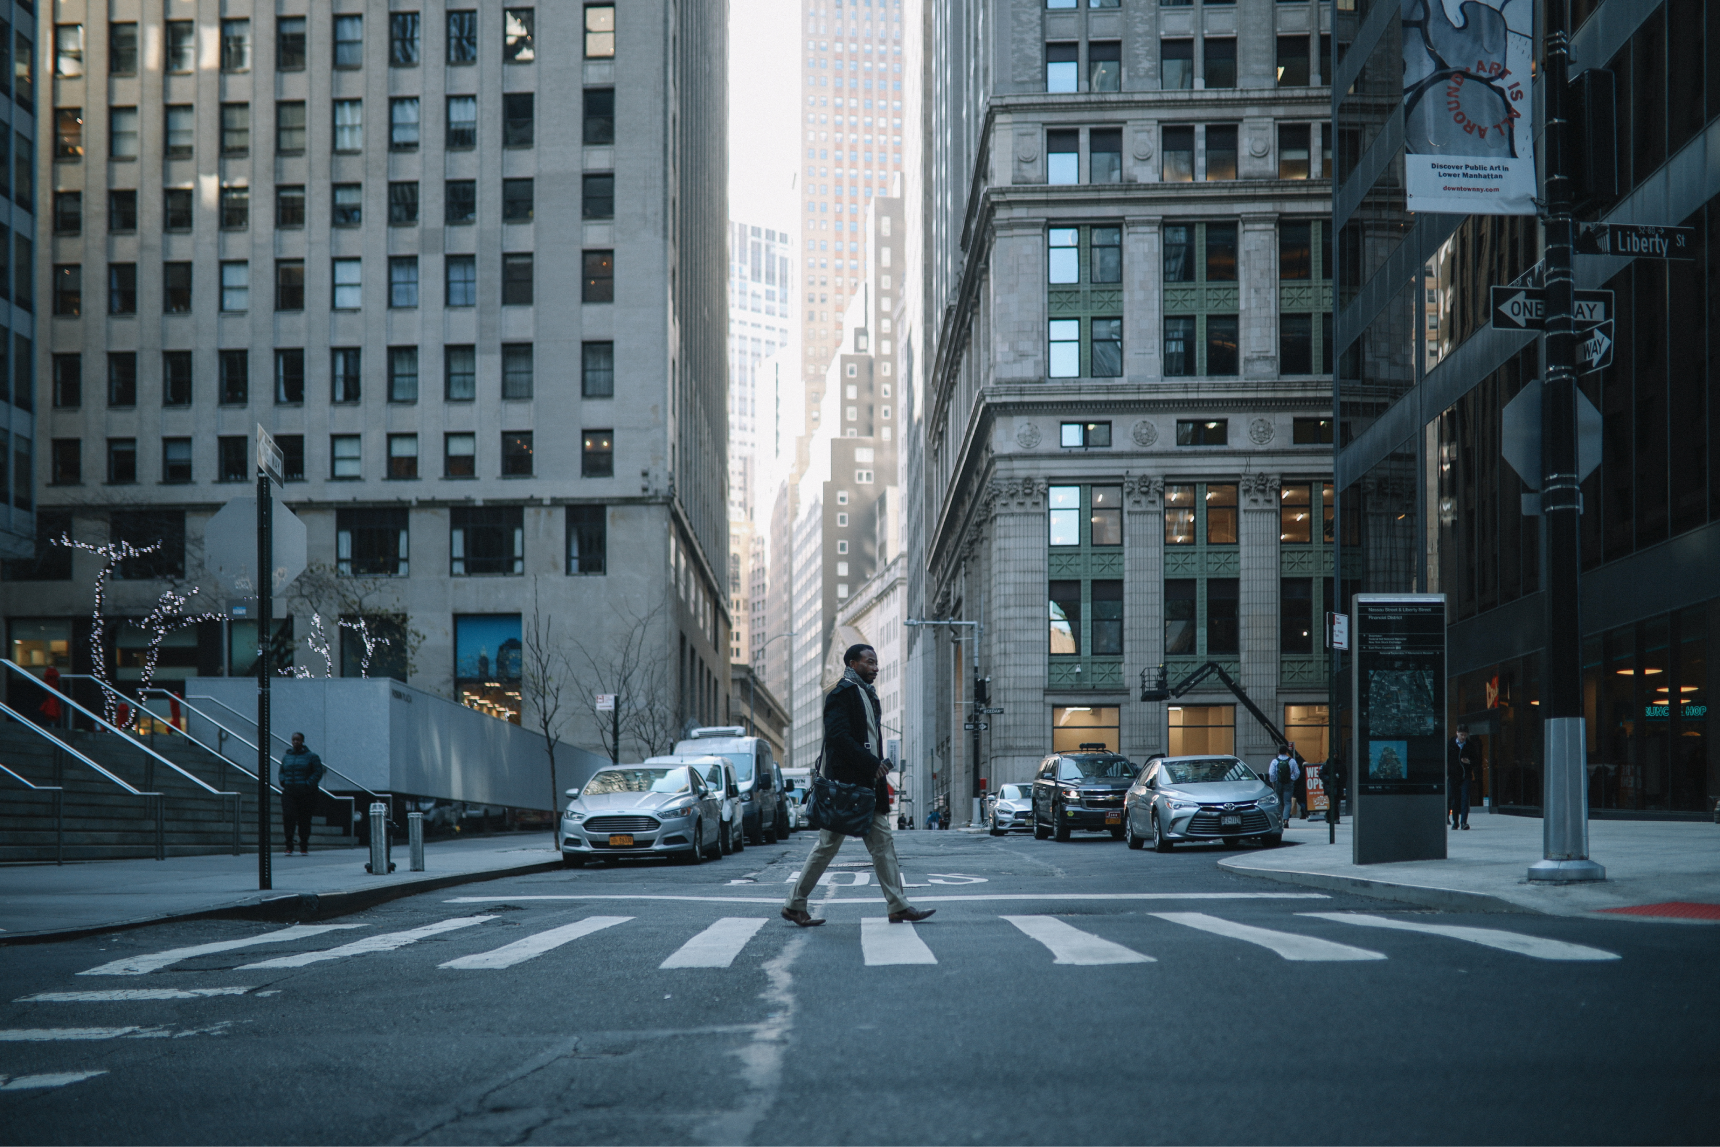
48 1035
120 995
51 1079
532 946
885 943
1070 945
386 942
1287 944
140 965
718 945
1518 942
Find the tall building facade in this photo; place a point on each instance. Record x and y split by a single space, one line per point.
325 221
1127 431
1426 499
21 398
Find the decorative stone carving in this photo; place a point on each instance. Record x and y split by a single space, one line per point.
1026 148
1258 146
1143 149
1028 435
1144 492
1260 431
1260 491
1144 433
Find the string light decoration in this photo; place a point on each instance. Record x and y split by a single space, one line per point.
371 641
111 554
168 615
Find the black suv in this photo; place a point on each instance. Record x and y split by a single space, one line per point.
1081 790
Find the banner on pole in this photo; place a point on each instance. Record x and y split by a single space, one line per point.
1469 139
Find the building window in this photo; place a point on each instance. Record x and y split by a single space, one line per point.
235 208
142 528
487 540
597 454
69 50
290 377
1195 432
181 45
372 542
1077 435
1311 432
176 208
403 374
122 49
68 134
1296 344
403 204
518 119
1200 265
344 457
1176 64
1065 348
1107 353
292 456
235 286
462 280
235 45
1105 66
403 124
517 280
461 374
518 28
1062 67
1219 59
175 461
345 372
347 205
1293 62
290 127
1065 515
1105 516
232 458
516 370
1221 344
1065 616
459 455
1178 154
403 39
122 133
1062 157
1223 598
235 377
348 284
66 462
349 126
68 289
1220 152
463 37
290 205
599 280
122 378
403 456
122 212
235 130
176 378
68 212
460 201
462 123
1106 595
349 41
598 198
1105 156
181 130
290 44
1197 729
599 31
587 539
121 461
1075 725
517 200
516 453
597 370
1293 162
599 119
402 281
68 381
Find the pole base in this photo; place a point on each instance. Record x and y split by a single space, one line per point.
1566 872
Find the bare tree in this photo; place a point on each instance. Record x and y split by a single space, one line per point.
631 661
545 678
323 590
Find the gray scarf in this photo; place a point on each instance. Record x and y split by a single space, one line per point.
871 707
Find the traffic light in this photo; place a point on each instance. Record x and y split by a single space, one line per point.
982 691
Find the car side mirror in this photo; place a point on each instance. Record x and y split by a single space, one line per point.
788 784
572 793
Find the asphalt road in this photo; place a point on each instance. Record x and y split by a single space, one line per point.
1063 993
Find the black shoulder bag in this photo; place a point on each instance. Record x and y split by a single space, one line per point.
840 807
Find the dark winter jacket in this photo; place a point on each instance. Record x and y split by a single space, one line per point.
846 757
1456 772
301 767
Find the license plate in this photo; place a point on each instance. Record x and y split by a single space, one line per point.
1113 818
1230 821
621 840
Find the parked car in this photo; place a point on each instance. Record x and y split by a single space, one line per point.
642 810
1081 791
796 787
762 809
1010 809
720 776
1200 798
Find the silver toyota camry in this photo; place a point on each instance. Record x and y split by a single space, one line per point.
1200 798
643 810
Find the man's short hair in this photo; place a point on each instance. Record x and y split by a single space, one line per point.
855 653
296 734
1463 728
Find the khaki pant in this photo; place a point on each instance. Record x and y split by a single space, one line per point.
879 842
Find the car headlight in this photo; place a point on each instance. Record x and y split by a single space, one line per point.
1175 805
572 816
1071 794
1267 801
681 810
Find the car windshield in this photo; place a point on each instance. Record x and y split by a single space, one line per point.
1207 770
736 750
637 781
714 778
1011 793
1095 767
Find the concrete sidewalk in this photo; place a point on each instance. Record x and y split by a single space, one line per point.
53 901
1647 863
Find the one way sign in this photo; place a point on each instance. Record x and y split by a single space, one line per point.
1524 308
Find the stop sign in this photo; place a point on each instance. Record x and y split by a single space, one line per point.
230 547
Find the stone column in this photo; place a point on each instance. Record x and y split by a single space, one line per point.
1016 302
1257 275
1143 729
1143 279
1016 634
1259 604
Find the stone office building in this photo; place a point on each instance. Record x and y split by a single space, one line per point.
1127 445
20 401
326 220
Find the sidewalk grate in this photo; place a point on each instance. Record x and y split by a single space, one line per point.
1675 909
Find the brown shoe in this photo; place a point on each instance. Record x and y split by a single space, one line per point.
911 915
802 917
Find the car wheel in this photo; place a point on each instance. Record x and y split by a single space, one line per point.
996 829
725 841
1040 831
572 860
1160 843
1059 830
697 852
1129 833
740 838
783 825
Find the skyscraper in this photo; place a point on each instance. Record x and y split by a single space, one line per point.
21 399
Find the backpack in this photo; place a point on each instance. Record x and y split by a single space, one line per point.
1281 770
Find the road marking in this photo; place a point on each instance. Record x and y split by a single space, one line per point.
1287 944
1070 896
52 1079
887 943
118 995
1518 942
1070 945
532 946
718 945
386 942
43 1035
139 965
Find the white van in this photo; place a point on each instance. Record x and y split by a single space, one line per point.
764 814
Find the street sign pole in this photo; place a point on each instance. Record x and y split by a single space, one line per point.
265 623
1564 827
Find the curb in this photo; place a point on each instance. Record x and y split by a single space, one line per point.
1447 899
289 907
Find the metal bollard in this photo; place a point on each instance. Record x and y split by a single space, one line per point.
415 839
380 864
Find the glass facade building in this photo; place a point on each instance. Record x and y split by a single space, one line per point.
20 397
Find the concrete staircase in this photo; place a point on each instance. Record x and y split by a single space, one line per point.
104 822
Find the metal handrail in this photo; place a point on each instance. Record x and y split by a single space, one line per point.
60 793
59 810
31 784
59 744
274 736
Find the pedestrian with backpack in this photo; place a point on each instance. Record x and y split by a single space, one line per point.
1282 775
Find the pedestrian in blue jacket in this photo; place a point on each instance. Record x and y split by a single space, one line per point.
301 771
